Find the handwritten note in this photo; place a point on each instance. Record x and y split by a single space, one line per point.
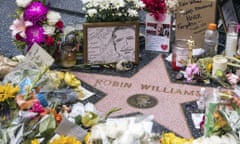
39 56
193 17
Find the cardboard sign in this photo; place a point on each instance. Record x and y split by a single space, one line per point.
158 33
192 19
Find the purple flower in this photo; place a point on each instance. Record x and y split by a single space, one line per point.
191 70
35 34
35 12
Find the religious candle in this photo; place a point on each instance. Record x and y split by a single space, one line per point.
179 54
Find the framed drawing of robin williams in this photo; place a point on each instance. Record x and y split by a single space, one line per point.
110 42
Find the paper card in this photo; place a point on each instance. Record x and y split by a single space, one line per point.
192 19
197 119
158 33
39 56
69 128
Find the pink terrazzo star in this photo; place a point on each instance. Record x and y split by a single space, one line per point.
152 80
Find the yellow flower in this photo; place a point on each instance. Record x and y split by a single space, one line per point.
90 119
65 140
35 141
8 91
171 138
87 138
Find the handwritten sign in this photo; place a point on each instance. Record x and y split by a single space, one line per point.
193 17
39 56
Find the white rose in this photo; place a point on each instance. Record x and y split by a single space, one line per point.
49 30
53 17
23 3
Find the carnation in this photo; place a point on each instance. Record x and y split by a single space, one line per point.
53 17
132 12
91 12
156 8
49 30
23 3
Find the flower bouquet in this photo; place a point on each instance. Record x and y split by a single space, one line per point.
36 23
112 10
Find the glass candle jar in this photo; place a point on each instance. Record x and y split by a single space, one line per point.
68 57
179 54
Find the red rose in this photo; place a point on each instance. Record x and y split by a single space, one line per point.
18 37
50 41
59 25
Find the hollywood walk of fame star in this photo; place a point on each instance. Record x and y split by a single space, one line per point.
152 80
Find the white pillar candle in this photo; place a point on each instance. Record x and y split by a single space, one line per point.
231 44
231 40
219 63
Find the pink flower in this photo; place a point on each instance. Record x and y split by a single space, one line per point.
19 26
191 70
232 78
37 107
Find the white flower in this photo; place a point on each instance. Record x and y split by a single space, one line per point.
132 13
80 109
49 30
53 17
118 3
119 14
171 4
114 8
140 4
23 3
85 1
91 12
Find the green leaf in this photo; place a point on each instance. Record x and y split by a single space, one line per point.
47 125
111 111
78 120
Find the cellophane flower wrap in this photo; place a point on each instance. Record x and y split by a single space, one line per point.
112 10
36 23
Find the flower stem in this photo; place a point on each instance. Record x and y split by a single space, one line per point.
44 69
